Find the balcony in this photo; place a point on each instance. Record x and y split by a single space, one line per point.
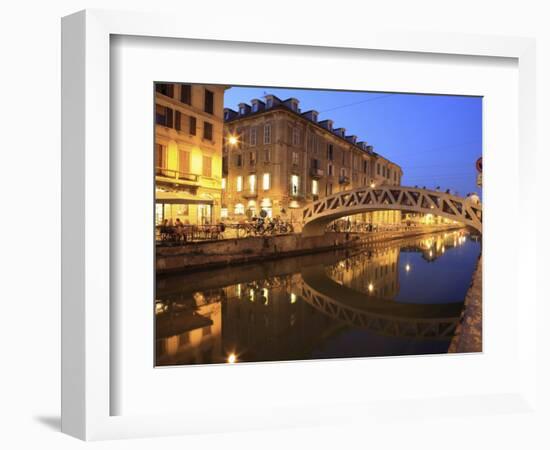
316 173
176 176
249 195
343 179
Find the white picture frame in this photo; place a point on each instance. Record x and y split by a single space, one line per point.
86 246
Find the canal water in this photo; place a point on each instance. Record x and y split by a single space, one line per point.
401 297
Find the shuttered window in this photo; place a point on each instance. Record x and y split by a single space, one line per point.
184 160
207 166
160 156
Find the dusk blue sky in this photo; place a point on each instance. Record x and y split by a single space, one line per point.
436 139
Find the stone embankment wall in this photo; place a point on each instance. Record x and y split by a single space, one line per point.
237 251
468 334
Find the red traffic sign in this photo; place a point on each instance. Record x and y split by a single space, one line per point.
478 164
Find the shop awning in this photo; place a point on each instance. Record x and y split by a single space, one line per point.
182 198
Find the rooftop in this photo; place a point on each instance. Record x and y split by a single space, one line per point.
310 116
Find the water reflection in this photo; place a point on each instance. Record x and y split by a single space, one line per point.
376 300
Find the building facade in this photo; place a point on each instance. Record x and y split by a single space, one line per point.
277 159
188 152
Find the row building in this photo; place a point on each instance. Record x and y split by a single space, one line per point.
189 132
277 158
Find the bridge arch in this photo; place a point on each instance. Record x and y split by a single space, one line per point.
320 213
383 317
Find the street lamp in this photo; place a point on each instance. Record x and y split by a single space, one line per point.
232 140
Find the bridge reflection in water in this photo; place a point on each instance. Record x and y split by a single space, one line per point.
398 298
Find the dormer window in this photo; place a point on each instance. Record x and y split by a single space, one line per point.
314 116
269 103
254 107
242 110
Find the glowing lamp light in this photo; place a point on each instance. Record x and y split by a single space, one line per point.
372 185
232 358
233 140
408 267
371 287
292 298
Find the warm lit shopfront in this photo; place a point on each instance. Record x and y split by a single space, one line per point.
188 208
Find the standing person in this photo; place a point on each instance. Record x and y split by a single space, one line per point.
180 230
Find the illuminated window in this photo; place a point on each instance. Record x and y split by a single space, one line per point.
266 182
314 187
239 183
294 184
252 183
239 208
295 158
223 213
224 183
